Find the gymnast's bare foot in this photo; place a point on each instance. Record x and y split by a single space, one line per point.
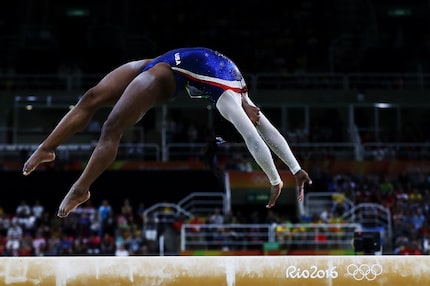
275 191
72 200
39 156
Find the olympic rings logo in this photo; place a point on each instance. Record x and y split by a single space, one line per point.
364 271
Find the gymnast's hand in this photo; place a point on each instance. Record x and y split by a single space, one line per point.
252 111
302 178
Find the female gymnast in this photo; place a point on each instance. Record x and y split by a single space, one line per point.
137 86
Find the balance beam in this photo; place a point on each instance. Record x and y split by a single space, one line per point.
216 270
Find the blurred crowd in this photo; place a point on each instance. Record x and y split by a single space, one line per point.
103 230
89 230
406 196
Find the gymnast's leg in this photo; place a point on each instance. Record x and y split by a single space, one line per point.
148 89
105 93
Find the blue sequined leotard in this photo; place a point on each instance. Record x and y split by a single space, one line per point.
204 73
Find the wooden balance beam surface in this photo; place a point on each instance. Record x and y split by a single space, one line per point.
216 270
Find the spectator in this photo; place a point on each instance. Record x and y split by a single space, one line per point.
37 210
216 217
418 219
121 250
134 243
5 222
15 230
326 215
13 245
104 214
93 244
107 245
65 246
23 210
39 244
127 209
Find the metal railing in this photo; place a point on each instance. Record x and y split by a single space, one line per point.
337 81
254 236
181 152
225 236
370 215
81 152
204 203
